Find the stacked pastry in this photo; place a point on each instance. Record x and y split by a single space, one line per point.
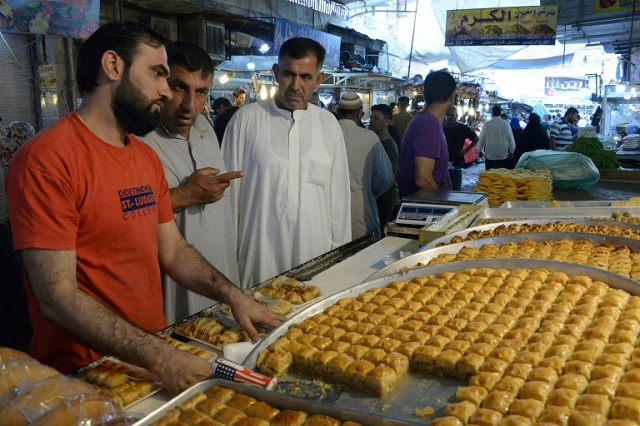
110 379
123 383
221 406
619 260
284 288
210 330
559 226
34 394
534 345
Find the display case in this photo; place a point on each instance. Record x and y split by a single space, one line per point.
621 110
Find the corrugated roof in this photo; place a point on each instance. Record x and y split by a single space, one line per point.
617 32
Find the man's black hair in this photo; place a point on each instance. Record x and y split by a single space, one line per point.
190 56
384 109
438 87
299 47
124 38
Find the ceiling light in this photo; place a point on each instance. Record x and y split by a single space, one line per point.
264 48
251 66
224 78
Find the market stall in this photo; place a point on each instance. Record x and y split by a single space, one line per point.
409 339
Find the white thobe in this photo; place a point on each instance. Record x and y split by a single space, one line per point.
209 228
370 175
293 204
496 138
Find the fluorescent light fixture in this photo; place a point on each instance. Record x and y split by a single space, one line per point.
264 48
620 88
251 66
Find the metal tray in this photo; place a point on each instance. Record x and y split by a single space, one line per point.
446 239
277 400
563 204
416 390
427 255
599 213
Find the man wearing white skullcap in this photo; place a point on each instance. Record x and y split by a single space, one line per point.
370 170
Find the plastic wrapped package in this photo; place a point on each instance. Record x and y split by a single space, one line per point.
18 373
31 402
33 393
85 410
569 170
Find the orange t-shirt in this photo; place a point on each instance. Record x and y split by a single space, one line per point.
69 190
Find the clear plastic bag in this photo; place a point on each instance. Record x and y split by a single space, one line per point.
569 170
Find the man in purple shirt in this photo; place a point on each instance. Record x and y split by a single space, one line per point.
424 155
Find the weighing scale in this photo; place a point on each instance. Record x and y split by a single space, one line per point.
425 207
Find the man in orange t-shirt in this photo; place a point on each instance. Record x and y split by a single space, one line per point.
91 216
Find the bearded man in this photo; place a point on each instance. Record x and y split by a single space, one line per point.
294 202
91 216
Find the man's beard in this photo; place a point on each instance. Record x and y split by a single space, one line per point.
133 110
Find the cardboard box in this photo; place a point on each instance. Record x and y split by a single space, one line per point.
453 221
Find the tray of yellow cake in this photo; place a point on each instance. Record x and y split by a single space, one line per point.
620 255
527 226
488 341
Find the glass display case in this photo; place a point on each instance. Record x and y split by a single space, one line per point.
621 110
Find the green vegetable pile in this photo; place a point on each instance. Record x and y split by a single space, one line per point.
592 148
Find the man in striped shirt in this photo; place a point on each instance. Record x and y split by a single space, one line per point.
561 136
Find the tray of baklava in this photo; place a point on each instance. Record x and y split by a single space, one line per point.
532 226
221 402
127 384
485 341
620 255
614 214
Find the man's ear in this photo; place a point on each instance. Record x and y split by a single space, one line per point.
112 65
319 80
275 69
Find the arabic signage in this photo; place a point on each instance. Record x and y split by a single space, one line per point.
284 30
605 6
505 26
67 18
553 85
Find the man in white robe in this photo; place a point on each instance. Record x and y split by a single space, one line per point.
293 203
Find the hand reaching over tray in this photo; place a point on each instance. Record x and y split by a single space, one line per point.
180 369
248 313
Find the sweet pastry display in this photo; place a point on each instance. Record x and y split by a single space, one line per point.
619 260
515 185
284 288
111 379
558 226
211 331
188 348
222 406
532 345
616 216
34 394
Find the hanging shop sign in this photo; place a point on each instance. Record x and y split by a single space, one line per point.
68 18
606 6
554 85
505 26
284 30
